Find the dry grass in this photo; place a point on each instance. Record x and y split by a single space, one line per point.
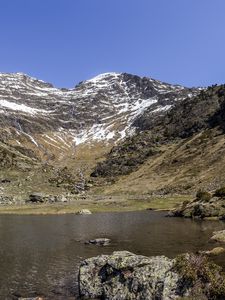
182 167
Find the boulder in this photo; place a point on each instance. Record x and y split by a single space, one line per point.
219 236
36 197
126 276
63 199
99 242
84 212
43 198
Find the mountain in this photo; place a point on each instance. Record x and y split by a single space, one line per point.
180 151
101 109
74 128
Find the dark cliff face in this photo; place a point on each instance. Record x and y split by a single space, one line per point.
185 119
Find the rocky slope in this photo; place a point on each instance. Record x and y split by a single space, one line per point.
180 150
209 205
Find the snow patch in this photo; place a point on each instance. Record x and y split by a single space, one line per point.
103 76
162 108
21 107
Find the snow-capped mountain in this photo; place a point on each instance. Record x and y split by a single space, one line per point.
103 108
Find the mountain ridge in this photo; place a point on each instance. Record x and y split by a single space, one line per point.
90 111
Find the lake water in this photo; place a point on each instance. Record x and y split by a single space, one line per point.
40 255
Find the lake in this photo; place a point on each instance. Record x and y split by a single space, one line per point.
40 255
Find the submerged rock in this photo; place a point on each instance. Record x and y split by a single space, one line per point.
84 212
126 276
99 242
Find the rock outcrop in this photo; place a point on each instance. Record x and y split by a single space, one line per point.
44 198
205 205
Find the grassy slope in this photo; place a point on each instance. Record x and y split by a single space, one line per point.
27 175
96 204
182 167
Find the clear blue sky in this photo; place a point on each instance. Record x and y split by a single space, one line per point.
67 41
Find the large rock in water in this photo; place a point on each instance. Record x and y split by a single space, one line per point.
124 275
219 236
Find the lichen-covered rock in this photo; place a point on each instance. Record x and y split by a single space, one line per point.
124 275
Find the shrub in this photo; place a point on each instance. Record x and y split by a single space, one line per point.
201 275
203 196
220 192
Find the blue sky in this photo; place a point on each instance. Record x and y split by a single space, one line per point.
67 41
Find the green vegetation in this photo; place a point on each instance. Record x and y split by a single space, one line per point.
106 204
205 279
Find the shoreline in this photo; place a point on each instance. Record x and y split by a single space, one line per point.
106 204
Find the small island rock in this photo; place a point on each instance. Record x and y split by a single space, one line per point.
99 242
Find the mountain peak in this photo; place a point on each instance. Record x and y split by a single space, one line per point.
104 76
